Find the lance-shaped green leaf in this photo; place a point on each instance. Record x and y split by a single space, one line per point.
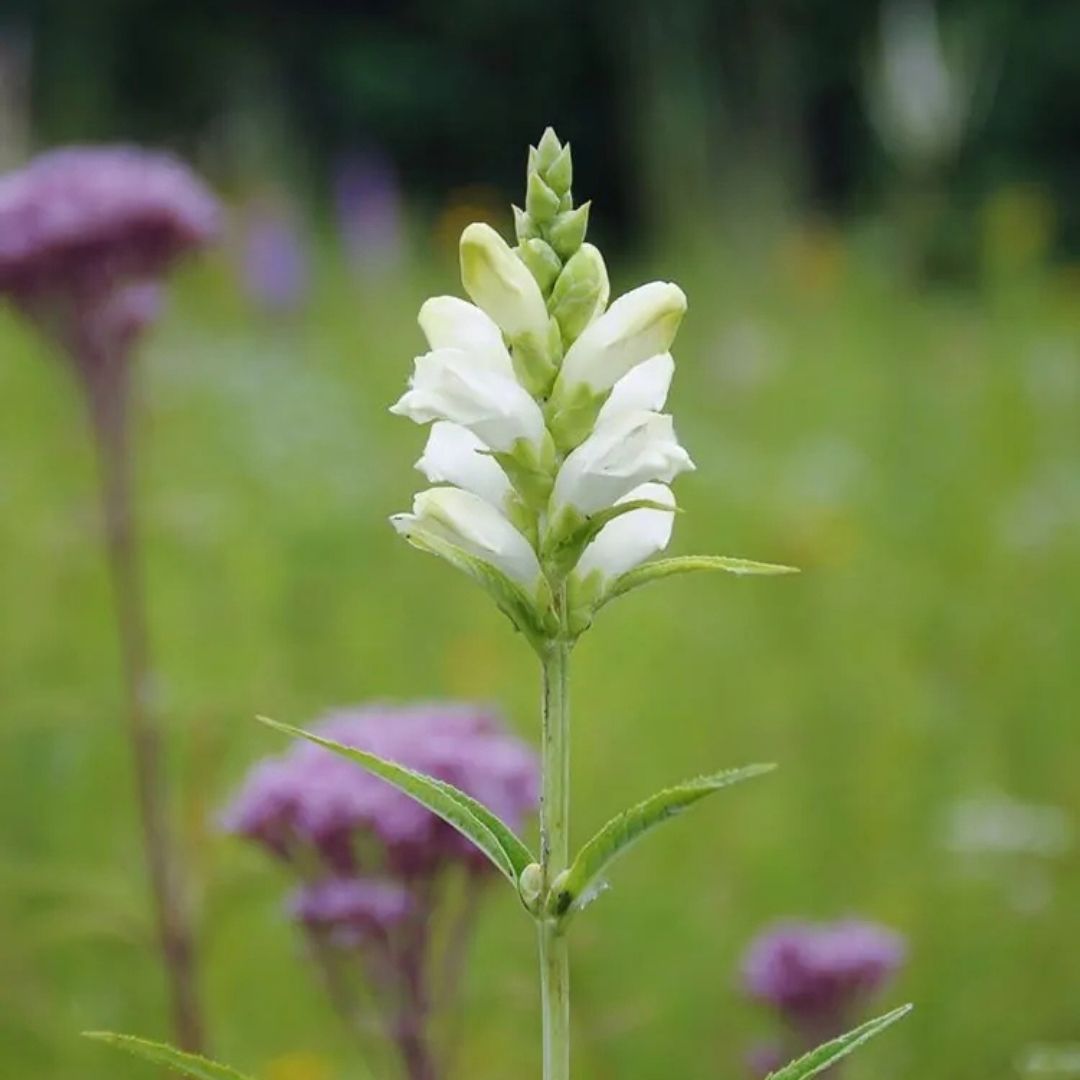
578 884
689 564
474 821
825 1055
199 1068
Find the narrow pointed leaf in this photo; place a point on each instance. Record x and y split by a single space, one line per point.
688 564
585 875
516 851
813 1063
161 1054
493 837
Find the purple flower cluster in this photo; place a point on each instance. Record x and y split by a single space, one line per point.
311 806
816 976
368 202
86 234
84 218
351 904
377 888
810 972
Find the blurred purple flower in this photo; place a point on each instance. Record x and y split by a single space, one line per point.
808 971
817 976
274 259
361 906
368 201
82 218
79 226
375 867
86 234
312 799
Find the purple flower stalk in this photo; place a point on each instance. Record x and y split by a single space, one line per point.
274 259
817 976
378 873
368 202
86 235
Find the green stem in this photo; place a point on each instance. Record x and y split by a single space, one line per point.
554 858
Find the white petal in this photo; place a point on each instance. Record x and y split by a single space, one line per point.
447 385
622 453
640 324
451 323
644 387
501 284
632 538
474 525
454 455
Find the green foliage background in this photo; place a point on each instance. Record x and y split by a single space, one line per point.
878 384
915 453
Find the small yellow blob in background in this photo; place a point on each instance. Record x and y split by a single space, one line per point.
298 1066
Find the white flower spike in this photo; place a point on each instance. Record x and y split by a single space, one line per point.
547 407
549 423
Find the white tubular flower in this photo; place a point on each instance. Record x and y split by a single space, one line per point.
447 384
501 284
632 538
451 323
454 455
638 325
644 387
467 521
631 449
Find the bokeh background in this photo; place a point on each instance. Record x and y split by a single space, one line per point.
874 213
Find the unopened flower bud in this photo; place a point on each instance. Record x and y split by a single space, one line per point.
500 283
547 149
567 232
524 226
545 265
540 201
580 293
560 174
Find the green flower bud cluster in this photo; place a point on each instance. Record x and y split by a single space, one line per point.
551 242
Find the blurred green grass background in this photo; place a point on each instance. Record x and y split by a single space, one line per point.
914 452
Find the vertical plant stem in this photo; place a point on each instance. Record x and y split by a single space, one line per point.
554 857
412 1023
109 419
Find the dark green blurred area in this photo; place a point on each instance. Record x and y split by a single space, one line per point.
665 104
879 380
